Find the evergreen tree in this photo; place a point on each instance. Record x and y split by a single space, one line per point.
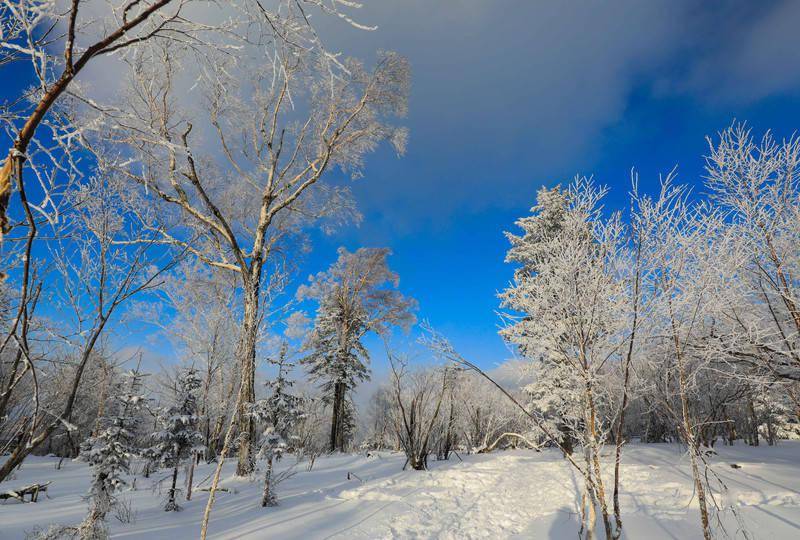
555 391
110 451
572 302
180 437
356 295
279 412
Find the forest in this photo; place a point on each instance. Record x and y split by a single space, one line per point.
183 199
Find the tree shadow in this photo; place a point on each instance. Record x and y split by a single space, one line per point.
566 524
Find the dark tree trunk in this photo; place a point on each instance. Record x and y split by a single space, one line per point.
191 477
268 498
337 420
753 423
172 506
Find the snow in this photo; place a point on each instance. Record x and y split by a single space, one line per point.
500 495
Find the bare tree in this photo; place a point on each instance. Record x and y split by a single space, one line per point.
34 29
98 272
418 397
261 185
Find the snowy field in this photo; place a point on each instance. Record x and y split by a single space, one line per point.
501 495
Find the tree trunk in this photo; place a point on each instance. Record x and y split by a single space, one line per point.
691 442
599 486
191 477
247 360
171 504
753 423
770 430
336 437
268 498
214 439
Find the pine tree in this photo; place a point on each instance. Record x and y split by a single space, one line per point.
279 412
180 438
110 451
353 299
555 391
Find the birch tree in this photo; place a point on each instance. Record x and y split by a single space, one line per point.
681 255
757 184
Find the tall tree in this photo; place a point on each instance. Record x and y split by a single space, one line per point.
277 131
570 298
356 295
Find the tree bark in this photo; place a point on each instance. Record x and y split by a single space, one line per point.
599 486
171 505
753 423
191 477
336 437
268 498
247 362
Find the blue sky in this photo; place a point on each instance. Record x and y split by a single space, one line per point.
510 95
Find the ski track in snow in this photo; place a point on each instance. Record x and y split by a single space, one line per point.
518 494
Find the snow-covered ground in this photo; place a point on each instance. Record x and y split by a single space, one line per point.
502 495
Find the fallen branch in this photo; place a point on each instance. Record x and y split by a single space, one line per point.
487 449
19 493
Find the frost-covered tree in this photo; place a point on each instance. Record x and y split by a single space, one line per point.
683 253
556 393
356 295
179 438
278 413
110 452
278 129
757 184
569 296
